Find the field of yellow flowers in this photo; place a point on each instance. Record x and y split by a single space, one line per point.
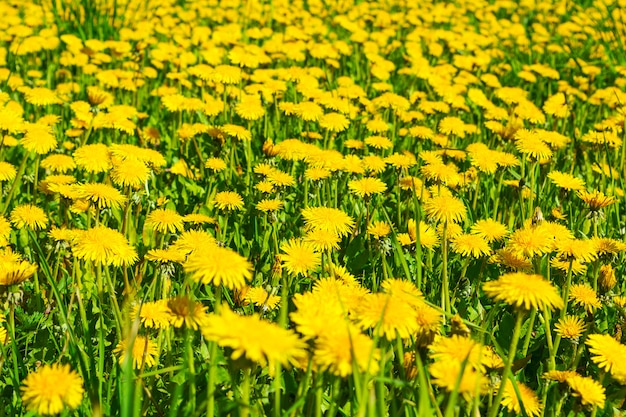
312 208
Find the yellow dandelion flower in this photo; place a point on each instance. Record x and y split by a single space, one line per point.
470 245
596 200
51 389
58 163
590 392
269 205
164 221
524 291
255 339
103 246
300 256
228 200
570 327
529 399
142 352
566 181
216 265
185 311
29 215
334 122
445 209
378 229
490 230
154 315
365 187
607 352
327 218
585 296
102 195
342 347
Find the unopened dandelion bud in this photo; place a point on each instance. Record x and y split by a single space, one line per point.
409 365
268 148
607 279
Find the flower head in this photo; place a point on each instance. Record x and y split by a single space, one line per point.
104 246
257 340
165 221
28 215
142 352
216 265
570 327
524 291
51 389
445 208
528 398
228 200
327 218
589 391
299 256
367 186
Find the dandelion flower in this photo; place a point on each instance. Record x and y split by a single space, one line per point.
187 312
102 195
530 242
39 139
589 391
367 186
322 240
446 209
142 352
198 218
327 218
28 215
58 163
446 374
581 250
154 314
216 265
7 171
470 245
607 353
261 298
269 205
228 200
570 327
165 221
596 200
529 399
104 246
566 181
378 229
388 315
299 256
606 279
51 389
15 272
93 158
490 230
524 291
131 172
585 296
215 164
257 340
334 122
343 347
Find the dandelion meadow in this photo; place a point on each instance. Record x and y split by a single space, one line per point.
312 208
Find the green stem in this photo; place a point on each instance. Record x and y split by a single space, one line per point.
493 410
245 393
445 292
529 332
16 181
